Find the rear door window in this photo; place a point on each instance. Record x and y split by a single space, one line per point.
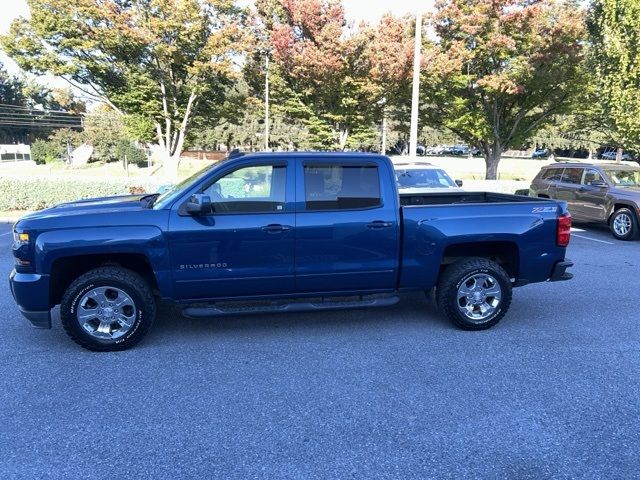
341 187
572 175
552 174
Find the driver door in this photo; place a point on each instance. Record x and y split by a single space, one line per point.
245 247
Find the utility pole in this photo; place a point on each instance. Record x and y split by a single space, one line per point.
384 126
266 104
415 97
384 132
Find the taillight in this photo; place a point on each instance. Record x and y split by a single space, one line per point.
564 230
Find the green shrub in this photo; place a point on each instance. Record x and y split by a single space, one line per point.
135 156
37 193
44 151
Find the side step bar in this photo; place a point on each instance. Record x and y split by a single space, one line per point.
240 309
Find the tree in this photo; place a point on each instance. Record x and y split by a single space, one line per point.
104 130
502 69
57 147
614 60
389 55
320 72
166 60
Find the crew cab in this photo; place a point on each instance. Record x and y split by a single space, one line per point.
278 232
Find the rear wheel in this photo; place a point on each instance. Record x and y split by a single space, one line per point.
108 309
624 224
474 293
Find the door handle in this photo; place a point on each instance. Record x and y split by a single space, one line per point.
276 228
379 224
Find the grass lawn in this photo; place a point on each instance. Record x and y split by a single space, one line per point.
98 171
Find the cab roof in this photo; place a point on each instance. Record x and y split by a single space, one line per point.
603 166
306 154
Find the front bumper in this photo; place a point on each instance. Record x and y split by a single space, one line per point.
31 293
560 273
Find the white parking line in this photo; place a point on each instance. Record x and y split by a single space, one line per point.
592 239
3 234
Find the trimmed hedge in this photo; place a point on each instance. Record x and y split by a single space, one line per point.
37 193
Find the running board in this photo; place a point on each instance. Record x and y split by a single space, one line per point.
240 309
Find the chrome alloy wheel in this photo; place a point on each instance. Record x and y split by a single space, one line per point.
622 224
106 313
479 296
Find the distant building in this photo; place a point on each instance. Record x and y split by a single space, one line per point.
15 153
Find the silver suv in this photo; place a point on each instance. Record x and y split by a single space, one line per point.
603 193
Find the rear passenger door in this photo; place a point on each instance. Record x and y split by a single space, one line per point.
548 182
346 226
569 185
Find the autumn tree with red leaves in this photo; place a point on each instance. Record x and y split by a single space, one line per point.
334 77
502 69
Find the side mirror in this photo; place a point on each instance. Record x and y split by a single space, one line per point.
198 204
598 183
459 183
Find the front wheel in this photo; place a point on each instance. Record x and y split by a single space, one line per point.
624 224
108 309
474 293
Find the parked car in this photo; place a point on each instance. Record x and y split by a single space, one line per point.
602 193
540 153
611 155
284 232
439 150
423 177
447 150
464 150
402 148
460 150
435 150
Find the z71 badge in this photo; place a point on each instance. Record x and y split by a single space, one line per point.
544 210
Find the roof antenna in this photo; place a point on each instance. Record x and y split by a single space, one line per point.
235 153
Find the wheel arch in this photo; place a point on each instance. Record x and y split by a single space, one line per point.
504 253
617 205
64 270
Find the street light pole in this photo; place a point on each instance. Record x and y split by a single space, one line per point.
384 126
415 93
266 105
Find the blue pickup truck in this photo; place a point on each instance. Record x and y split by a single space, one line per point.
278 232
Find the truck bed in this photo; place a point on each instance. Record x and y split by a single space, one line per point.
446 198
438 225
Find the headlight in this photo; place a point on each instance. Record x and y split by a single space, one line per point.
20 238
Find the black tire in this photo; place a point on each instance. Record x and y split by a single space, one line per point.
632 234
461 272
132 285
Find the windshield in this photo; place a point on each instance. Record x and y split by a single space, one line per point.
427 178
624 178
171 192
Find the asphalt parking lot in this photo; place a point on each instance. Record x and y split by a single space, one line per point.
553 391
